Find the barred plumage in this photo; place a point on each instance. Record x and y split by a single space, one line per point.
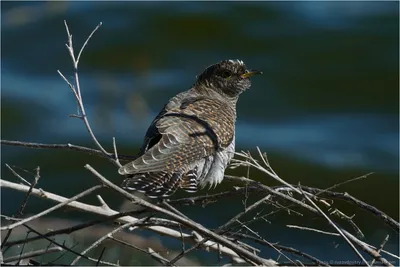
192 139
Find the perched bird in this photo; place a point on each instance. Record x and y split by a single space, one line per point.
192 139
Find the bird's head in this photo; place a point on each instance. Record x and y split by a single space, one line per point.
228 77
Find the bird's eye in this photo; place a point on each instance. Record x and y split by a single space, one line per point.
226 74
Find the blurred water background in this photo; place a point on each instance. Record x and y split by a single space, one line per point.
325 110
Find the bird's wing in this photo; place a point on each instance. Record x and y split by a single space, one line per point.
188 132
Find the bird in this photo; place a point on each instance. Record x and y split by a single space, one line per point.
191 141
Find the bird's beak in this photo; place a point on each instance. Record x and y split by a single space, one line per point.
250 73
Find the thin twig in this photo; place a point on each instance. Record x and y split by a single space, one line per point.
239 215
349 219
116 153
58 244
97 242
385 240
40 214
336 228
83 149
77 91
221 229
285 248
33 254
101 255
312 229
171 208
25 201
17 175
158 257
86 42
367 248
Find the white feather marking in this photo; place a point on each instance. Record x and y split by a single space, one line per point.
160 150
152 155
169 139
144 161
236 61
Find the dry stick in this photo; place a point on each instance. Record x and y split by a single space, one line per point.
22 249
72 229
349 219
62 245
235 219
77 91
83 149
274 192
171 208
95 244
115 151
196 226
205 199
101 255
347 181
40 214
200 241
316 208
17 175
395 225
256 165
312 230
239 215
32 254
336 228
139 249
360 243
222 227
256 234
276 246
367 248
385 240
316 191
101 211
35 181
273 174
158 257
374 210
22 208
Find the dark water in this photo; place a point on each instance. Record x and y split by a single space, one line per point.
325 110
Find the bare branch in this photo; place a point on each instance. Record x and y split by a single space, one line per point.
86 42
86 150
158 257
95 244
32 254
385 240
337 229
77 91
116 153
239 215
312 229
40 214
17 175
22 208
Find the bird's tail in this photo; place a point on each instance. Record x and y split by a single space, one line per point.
189 181
154 185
